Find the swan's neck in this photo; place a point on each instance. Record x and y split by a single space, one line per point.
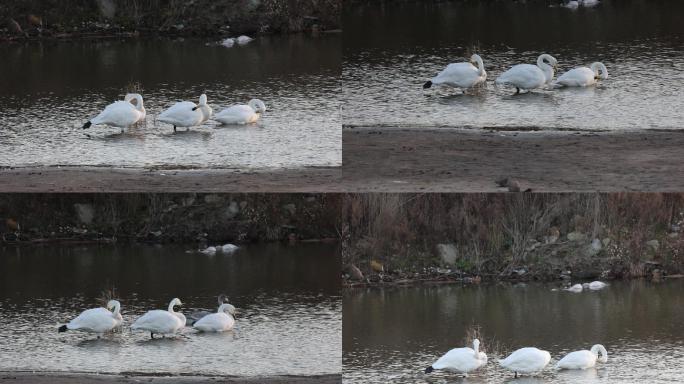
117 308
171 307
480 67
596 349
547 69
139 104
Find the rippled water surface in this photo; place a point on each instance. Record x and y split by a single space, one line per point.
394 334
55 87
289 319
390 51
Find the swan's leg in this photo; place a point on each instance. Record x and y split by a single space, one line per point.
174 128
517 90
152 335
516 375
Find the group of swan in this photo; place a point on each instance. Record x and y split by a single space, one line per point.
187 114
526 360
520 76
240 40
594 286
226 248
164 322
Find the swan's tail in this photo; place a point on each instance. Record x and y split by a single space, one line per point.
87 125
427 85
63 328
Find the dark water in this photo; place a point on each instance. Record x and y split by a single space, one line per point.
288 298
394 334
390 51
55 87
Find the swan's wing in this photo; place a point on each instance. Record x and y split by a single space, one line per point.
157 321
458 74
237 114
577 360
215 322
457 358
181 114
94 320
195 316
522 75
577 77
119 114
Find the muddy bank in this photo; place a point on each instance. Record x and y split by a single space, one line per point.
168 218
458 160
72 19
395 239
59 378
100 179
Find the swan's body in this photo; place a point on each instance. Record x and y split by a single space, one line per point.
575 288
193 317
583 359
120 114
242 40
186 113
160 321
582 76
208 251
220 321
96 320
596 285
229 248
229 42
461 75
526 360
461 360
528 76
242 114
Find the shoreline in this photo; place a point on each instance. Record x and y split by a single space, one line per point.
104 179
382 159
66 377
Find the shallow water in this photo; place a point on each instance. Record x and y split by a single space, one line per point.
389 52
288 299
56 87
394 334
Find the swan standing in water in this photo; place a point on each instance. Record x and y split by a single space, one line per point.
222 320
526 360
96 320
242 114
186 113
583 359
120 114
582 76
460 75
461 359
528 76
160 321
193 317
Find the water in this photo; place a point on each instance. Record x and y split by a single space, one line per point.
394 334
288 298
55 87
390 51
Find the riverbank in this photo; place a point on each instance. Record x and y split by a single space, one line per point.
53 19
473 160
59 378
104 179
168 218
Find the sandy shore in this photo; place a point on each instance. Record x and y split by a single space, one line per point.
101 179
461 160
64 378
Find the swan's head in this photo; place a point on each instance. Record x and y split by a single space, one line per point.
257 105
475 59
203 99
600 348
112 305
175 303
135 98
600 71
227 308
548 59
476 345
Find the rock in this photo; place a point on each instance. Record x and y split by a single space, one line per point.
232 210
310 199
107 8
653 245
576 236
14 27
290 208
448 253
212 199
85 213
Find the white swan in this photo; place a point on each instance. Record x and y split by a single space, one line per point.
526 360
120 114
528 76
208 250
582 76
193 317
160 321
96 320
583 359
228 248
220 321
575 288
229 42
242 114
186 113
460 75
461 359
242 40
596 285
